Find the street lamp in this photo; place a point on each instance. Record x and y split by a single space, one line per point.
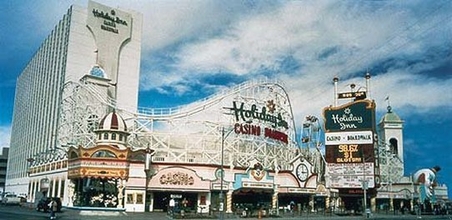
147 165
147 169
365 187
223 137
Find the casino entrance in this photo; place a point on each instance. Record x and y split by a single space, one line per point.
295 202
161 200
250 201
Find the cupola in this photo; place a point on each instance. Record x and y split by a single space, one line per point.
97 71
112 130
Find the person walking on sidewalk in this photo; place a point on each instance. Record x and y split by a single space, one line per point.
53 207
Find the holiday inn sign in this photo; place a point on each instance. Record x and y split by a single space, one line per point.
355 116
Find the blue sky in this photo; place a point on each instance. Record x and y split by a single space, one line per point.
192 49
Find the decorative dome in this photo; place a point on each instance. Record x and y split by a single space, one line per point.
113 121
390 116
97 71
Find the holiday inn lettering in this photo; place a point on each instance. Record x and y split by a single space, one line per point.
110 20
354 116
265 116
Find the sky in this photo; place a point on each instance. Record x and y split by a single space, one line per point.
192 49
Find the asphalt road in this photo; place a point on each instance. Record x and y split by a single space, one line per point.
27 213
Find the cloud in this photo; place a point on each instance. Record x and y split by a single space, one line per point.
302 43
321 40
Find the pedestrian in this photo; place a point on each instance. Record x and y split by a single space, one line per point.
172 204
53 207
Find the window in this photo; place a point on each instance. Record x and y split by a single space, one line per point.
73 155
113 136
394 146
105 136
139 198
104 153
129 199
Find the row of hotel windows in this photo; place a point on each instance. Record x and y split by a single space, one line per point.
45 66
48 167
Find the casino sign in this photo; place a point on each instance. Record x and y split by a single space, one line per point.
354 116
273 124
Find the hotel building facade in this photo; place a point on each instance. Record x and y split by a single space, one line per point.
99 39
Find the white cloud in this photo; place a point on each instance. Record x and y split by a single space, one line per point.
413 93
357 36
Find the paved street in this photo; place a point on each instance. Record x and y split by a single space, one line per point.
27 213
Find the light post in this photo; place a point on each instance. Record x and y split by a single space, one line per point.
222 175
365 186
412 192
147 165
147 171
223 137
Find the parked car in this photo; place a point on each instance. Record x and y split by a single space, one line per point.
43 204
10 199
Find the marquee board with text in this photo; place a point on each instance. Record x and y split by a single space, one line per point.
349 144
350 175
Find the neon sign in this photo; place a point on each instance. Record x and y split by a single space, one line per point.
356 116
248 114
265 115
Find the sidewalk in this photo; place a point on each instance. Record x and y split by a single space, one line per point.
73 214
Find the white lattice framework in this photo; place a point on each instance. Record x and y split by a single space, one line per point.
186 134
391 168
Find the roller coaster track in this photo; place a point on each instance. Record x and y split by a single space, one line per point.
185 134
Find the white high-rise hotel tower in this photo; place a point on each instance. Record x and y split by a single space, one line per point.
98 40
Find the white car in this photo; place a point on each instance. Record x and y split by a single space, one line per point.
10 199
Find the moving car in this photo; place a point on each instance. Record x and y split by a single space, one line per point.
10 199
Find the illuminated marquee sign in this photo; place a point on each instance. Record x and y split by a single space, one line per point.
353 116
348 95
350 175
266 116
349 153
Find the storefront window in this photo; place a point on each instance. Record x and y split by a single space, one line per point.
139 199
129 199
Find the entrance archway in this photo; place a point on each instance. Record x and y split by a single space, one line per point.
96 192
251 201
